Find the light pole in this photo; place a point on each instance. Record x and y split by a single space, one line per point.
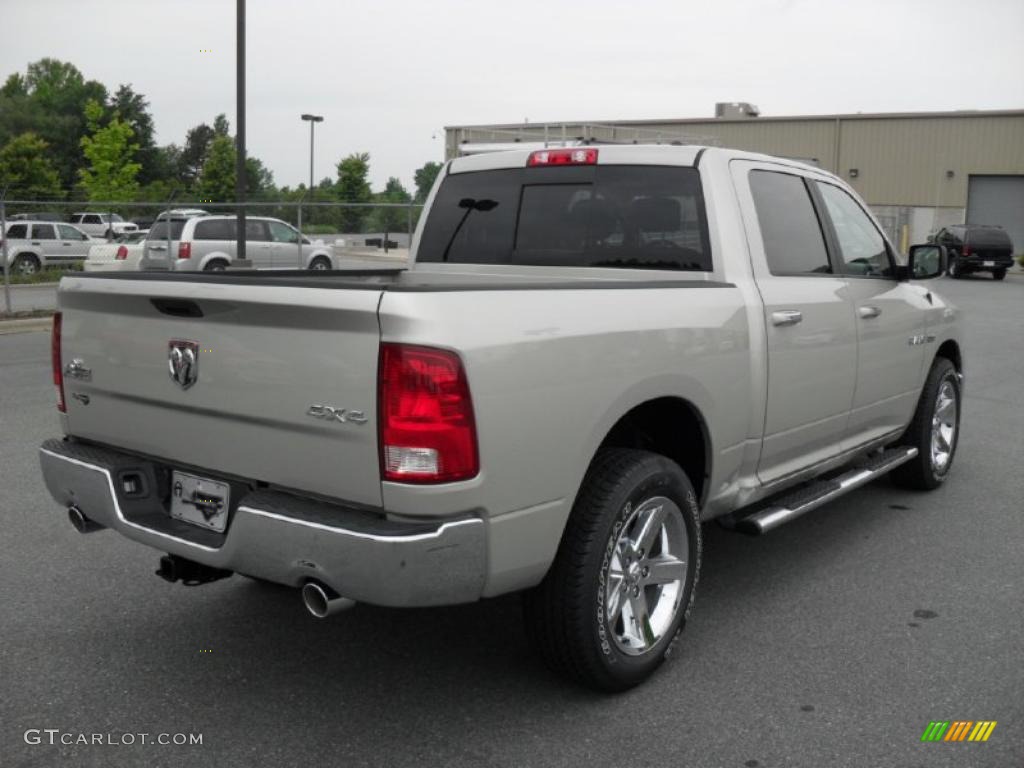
313 120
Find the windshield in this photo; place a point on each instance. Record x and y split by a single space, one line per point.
648 217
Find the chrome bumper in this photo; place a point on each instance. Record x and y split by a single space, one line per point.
283 538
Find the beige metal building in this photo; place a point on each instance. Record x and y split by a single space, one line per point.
919 171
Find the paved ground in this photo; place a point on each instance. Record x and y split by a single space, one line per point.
27 297
831 642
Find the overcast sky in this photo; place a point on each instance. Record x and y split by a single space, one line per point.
388 75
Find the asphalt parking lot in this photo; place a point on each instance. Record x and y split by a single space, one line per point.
831 642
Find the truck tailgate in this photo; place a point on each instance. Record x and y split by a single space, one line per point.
265 355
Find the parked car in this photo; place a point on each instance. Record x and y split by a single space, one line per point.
108 225
124 254
209 243
32 246
973 248
593 351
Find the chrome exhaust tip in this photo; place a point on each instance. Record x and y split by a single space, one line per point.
82 523
322 601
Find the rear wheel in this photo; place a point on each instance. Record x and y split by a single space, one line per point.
622 584
954 270
320 264
26 264
216 265
935 430
998 274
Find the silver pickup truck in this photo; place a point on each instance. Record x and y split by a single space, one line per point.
593 351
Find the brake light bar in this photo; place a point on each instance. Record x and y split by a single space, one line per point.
543 157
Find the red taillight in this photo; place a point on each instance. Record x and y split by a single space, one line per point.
184 250
122 253
425 413
967 250
562 157
58 370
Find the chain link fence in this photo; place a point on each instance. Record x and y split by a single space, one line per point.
43 239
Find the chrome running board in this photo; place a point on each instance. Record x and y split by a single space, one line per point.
809 497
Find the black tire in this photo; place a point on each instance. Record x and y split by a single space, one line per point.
998 274
216 265
26 264
921 473
573 639
320 263
953 269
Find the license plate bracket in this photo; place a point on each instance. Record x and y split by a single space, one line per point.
988 263
200 501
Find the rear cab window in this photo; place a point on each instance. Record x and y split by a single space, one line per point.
620 216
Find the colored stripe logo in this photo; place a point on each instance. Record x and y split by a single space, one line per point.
958 730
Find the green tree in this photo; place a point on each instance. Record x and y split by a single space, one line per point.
353 187
391 219
111 173
26 170
221 126
217 179
133 109
53 107
425 178
193 155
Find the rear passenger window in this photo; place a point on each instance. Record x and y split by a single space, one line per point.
43 232
215 229
790 230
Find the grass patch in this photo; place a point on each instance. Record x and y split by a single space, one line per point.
26 314
47 275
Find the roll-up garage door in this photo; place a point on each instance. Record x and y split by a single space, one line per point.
998 200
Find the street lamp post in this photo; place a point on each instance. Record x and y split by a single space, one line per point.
313 120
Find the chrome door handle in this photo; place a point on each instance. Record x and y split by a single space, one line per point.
787 317
867 313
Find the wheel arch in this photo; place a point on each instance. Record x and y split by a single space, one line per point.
672 426
950 350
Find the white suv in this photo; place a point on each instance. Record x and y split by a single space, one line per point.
108 225
33 245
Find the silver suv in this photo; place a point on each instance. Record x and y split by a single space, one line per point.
33 245
210 243
107 225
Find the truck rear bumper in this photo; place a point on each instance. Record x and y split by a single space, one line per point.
281 537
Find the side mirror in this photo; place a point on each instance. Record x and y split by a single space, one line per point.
931 238
925 261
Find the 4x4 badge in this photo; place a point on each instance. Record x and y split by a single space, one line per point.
183 362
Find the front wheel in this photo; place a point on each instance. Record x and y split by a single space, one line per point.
622 584
934 431
26 264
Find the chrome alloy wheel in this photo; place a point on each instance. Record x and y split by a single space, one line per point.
944 420
646 576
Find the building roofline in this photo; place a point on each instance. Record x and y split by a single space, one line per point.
744 120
